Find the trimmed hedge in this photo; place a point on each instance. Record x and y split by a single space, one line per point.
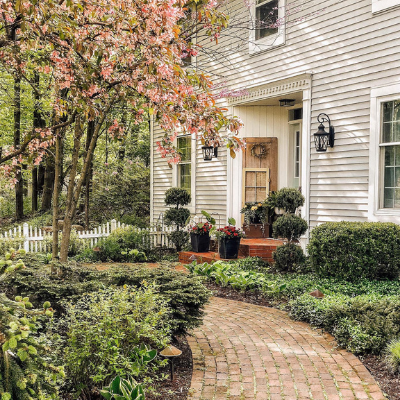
354 250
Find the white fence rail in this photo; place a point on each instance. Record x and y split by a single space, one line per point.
33 239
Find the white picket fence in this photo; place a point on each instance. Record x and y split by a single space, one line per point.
33 239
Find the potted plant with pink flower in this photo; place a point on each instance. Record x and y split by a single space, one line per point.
229 240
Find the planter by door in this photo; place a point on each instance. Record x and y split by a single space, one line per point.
229 248
254 231
200 243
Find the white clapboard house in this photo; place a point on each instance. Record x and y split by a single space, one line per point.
337 57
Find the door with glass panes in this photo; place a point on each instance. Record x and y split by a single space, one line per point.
260 169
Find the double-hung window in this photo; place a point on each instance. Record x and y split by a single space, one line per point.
384 154
390 153
184 145
267 25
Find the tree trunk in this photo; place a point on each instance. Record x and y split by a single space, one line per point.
48 182
56 194
19 186
74 190
88 181
34 189
71 204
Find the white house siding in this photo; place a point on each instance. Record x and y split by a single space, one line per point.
348 50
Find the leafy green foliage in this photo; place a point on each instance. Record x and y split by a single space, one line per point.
354 250
177 197
289 257
25 371
135 255
123 389
392 353
185 294
288 199
104 330
209 218
177 216
289 226
361 324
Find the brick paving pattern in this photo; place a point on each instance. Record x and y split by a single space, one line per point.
244 351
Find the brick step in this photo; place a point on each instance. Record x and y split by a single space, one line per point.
262 248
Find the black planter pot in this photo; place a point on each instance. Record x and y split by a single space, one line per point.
200 243
229 248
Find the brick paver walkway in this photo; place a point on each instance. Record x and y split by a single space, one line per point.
244 351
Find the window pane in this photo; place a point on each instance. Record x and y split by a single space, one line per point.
387 109
388 200
387 128
185 147
396 111
250 195
266 15
389 156
261 179
396 131
251 179
185 180
389 177
261 194
391 194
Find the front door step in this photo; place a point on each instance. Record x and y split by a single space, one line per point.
262 248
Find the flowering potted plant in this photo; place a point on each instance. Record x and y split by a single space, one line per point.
256 219
200 234
229 240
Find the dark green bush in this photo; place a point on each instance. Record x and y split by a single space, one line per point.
177 197
289 199
185 293
177 216
289 226
289 257
354 250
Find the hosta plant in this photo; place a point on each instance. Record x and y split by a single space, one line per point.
123 389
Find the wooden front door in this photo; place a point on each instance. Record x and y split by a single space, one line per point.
260 169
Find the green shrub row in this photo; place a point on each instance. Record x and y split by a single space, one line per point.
185 294
354 250
362 324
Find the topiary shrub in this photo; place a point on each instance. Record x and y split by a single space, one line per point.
289 199
354 250
289 226
178 215
289 257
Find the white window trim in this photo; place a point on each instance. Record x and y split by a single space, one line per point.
383 5
192 206
269 42
375 211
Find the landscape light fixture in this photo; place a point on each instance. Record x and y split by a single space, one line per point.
323 139
286 102
170 353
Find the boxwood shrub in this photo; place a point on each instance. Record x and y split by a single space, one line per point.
354 250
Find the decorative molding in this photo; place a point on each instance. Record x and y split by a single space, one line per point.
273 89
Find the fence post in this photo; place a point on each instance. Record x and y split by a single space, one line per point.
26 236
113 225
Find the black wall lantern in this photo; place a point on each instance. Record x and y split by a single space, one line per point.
208 152
322 138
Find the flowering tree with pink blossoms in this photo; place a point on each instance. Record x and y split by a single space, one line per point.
97 54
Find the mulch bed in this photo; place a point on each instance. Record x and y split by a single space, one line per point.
387 380
183 368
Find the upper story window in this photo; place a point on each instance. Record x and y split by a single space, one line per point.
267 28
390 153
383 5
266 15
184 145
